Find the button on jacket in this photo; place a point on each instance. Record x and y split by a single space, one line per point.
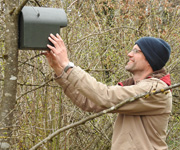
140 125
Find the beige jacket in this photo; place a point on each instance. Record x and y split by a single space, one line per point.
140 125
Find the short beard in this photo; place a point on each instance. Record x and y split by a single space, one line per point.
128 69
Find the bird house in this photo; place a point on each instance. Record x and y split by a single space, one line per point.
36 24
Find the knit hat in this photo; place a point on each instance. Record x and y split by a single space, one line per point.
156 51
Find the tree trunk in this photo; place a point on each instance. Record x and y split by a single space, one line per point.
10 75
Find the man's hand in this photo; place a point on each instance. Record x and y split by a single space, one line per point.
57 56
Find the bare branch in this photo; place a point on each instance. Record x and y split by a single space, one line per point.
72 3
93 116
172 27
117 28
37 3
35 88
22 63
18 10
97 70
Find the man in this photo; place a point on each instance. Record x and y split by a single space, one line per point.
140 125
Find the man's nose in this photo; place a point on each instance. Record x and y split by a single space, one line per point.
130 54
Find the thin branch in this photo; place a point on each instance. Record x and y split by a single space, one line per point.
97 70
171 28
18 9
117 28
34 89
25 94
22 63
72 3
93 116
37 3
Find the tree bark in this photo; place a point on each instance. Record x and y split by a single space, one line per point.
8 100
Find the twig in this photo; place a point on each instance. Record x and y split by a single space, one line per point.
172 27
102 33
83 121
22 63
97 70
18 10
72 3
34 89
37 3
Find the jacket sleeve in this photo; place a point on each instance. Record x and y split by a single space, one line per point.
107 96
76 97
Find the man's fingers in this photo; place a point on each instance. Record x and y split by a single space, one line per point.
52 48
53 41
57 42
47 54
44 53
59 37
54 37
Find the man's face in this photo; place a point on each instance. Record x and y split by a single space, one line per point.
137 61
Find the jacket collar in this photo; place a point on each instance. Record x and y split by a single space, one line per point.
159 74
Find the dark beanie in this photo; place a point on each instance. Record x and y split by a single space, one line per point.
156 51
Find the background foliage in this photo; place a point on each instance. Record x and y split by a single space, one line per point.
98 37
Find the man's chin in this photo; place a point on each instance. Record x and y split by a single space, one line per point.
128 68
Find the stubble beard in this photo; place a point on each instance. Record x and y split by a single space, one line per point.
129 68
